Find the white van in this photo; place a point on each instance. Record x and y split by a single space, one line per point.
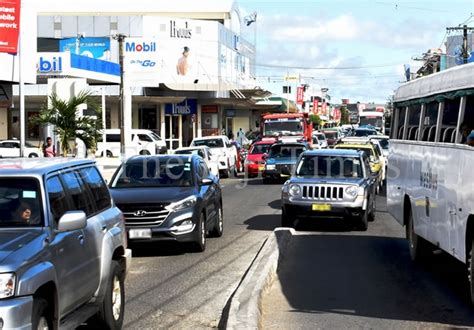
144 142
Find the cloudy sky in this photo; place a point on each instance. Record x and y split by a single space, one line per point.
356 48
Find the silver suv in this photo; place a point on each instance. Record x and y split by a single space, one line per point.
63 246
330 183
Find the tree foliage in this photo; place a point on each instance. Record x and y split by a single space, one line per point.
315 119
345 118
69 124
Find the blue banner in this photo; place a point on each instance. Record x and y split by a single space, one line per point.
187 107
95 47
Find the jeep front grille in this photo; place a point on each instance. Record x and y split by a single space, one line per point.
143 214
323 192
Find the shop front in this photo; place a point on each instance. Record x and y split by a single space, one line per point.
180 123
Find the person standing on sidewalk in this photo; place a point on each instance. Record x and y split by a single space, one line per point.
48 148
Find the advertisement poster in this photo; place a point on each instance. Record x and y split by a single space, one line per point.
141 62
97 47
9 25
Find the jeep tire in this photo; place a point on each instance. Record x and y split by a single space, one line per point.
40 317
111 311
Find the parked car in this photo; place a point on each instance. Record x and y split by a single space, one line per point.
11 148
63 246
255 163
225 151
330 183
321 139
144 142
281 160
384 142
205 153
169 198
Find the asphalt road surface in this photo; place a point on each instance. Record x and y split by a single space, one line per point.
170 287
336 278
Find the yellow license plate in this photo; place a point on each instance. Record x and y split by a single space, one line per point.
261 168
321 207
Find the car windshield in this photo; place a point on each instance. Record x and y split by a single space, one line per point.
329 166
20 203
321 136
211 143
369 151
330 135
383 143
290 127
364 132
154 172
286 151
258 149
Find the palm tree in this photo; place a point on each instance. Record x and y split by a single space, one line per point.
68 125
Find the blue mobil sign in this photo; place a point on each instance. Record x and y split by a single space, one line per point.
91 47
187 107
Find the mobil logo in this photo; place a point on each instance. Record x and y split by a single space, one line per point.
50 64
137 47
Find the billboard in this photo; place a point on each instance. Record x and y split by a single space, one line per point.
9 25
97 47
141 62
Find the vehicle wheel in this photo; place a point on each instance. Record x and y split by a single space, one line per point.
144 153
33 155
419 248
40 318
219 225
372 212
363 222
200 244
286 220
112 308
470 271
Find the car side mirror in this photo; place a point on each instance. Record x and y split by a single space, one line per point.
72 220
206 182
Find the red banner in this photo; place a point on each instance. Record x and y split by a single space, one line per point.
299 95
324 109
9 25
337 114
315 107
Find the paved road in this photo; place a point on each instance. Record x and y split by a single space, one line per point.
335 278
168 287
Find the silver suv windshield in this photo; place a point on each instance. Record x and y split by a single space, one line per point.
20 203
329 167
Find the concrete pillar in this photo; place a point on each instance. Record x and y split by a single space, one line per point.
127 120
162 121
199 121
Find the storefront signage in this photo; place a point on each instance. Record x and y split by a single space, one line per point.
177 32
9 26
50 64
141 62
187 107
209 109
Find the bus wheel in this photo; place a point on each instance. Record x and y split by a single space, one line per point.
419 247
470 271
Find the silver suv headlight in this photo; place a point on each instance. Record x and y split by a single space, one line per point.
352 191
7 285
182 204
294 190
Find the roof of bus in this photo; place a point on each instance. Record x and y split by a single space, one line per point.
456 78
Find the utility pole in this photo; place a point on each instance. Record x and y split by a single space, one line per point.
120 38
464 28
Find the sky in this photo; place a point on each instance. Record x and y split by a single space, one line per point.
356 49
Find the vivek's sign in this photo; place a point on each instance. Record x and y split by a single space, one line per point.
9 25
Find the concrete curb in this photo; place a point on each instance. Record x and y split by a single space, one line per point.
245 309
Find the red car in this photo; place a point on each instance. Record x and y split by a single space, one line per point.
254 164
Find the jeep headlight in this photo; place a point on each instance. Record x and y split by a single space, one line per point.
352 191
294 190
7 285
270 167
182 204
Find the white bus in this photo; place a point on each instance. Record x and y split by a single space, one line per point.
373 118
430 186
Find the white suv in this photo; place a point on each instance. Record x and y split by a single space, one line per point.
144 142
223 149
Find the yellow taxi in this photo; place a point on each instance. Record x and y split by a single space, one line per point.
375 162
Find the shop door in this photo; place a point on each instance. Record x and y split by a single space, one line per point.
172 128
148 118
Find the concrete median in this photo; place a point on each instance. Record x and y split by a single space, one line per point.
244 307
